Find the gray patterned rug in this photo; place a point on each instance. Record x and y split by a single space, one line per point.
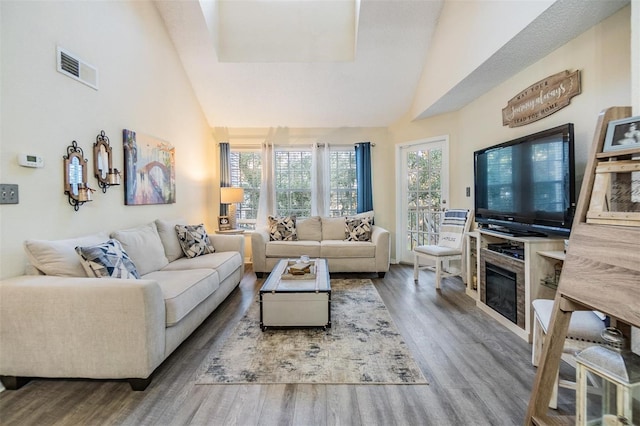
363 346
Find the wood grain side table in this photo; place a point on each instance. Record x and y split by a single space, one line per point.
231 231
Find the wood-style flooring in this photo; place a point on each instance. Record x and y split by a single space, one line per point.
479 373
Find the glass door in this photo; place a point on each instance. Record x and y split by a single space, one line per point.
424 190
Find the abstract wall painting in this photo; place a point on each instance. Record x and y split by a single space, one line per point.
149 170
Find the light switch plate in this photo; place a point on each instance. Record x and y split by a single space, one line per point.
8 193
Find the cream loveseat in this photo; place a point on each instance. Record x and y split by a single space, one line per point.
324 237
61 323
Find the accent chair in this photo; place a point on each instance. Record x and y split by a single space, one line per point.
455 223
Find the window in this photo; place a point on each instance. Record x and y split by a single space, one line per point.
293 183
246 172
343 185
422 165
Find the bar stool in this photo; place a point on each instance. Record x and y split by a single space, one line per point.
585 330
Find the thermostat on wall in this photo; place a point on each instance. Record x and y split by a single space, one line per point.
28 160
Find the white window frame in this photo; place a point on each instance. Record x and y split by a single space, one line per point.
401 189
249 224
290 149
332 188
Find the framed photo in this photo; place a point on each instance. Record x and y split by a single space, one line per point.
224 224
622 134
149 170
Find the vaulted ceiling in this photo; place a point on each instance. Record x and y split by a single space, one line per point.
342 63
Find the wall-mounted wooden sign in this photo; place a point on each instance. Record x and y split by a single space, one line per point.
541 99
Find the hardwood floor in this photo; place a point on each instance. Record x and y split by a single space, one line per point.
479 373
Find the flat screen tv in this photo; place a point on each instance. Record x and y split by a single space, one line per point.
526 186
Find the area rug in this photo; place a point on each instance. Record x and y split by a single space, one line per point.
363 346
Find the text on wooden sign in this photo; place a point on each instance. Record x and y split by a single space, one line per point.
541 99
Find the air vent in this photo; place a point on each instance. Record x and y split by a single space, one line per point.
71 66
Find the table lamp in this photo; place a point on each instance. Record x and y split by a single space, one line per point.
231 196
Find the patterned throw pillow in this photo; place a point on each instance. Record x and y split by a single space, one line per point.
282 228
368 214
107 260
194 240
358 229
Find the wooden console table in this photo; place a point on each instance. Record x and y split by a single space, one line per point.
531 270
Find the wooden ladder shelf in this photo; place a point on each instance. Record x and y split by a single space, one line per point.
601 270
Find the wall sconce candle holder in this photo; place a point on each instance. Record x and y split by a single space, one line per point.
75 176
102 163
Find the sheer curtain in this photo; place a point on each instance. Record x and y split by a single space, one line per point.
225 172
320 179
267 201
363 176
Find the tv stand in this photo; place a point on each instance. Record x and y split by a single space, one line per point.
531 270
514 233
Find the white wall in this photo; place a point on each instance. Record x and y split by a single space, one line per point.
143 87
602 53
456 44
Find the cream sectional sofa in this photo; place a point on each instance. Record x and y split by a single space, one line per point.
324 237
61 323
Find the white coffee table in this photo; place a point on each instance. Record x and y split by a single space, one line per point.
296 302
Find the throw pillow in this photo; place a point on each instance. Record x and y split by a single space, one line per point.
333 228
59 257
167 232
368 214
358 229
309 229
452 228
282 228
107 260
144 246
194 240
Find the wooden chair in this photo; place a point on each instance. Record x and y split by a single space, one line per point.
450 245
585 330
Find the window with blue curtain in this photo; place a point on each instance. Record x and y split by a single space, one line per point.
225 172
363 177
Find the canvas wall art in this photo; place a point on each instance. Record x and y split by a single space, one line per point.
149 170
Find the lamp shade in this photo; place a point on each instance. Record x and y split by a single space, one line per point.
231 195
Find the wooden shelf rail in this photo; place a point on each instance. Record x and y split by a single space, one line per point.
600 272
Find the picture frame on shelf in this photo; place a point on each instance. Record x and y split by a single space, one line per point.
224 224
622 134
